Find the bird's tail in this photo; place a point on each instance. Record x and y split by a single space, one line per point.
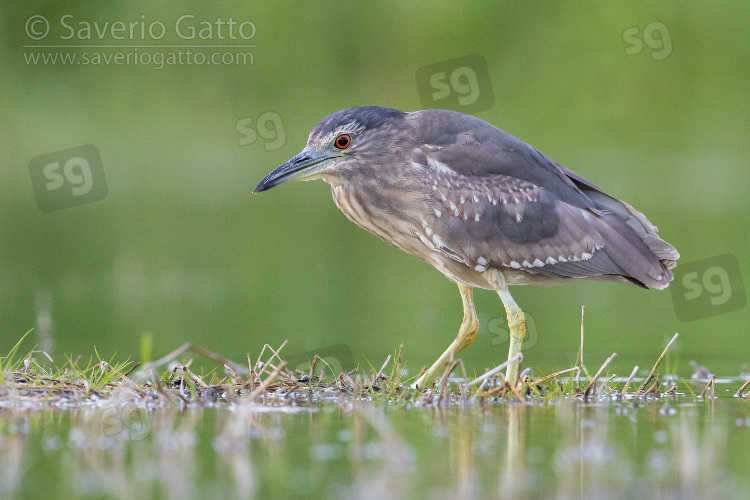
634 243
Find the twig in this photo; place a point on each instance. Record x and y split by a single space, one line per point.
658 362
593 380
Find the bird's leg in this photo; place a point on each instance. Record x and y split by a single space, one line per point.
516 324
465 336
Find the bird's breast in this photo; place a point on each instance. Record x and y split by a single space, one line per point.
382 210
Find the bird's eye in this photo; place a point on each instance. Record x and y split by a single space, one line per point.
343 141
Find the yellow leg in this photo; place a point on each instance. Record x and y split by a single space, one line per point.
465 336
516 324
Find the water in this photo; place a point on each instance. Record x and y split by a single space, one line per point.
682 447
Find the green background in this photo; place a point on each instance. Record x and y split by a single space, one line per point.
181 249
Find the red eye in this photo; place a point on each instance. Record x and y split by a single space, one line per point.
343 141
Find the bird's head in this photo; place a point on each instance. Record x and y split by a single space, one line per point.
339 142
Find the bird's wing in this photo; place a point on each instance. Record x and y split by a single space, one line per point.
538 215
501 221
472 147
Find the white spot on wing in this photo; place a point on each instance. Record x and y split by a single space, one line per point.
480 268
439 166
482 261
537 263
438 213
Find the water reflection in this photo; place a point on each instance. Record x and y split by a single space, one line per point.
354 449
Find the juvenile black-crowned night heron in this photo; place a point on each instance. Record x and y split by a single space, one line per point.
483 207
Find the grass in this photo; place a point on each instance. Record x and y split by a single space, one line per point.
268 379
262 430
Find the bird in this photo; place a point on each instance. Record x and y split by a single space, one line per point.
483 207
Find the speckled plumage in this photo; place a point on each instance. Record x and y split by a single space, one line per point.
483 207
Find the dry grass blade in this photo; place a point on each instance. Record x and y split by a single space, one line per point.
268 381
163 360
658 362
654 389
399 364
742 389
387 360
515 391
462 387
275 354
133 385
482 378
593 380
553 375
444 380
232 373
580 348
710 385
238 368
630 380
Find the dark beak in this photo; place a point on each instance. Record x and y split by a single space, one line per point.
305 164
